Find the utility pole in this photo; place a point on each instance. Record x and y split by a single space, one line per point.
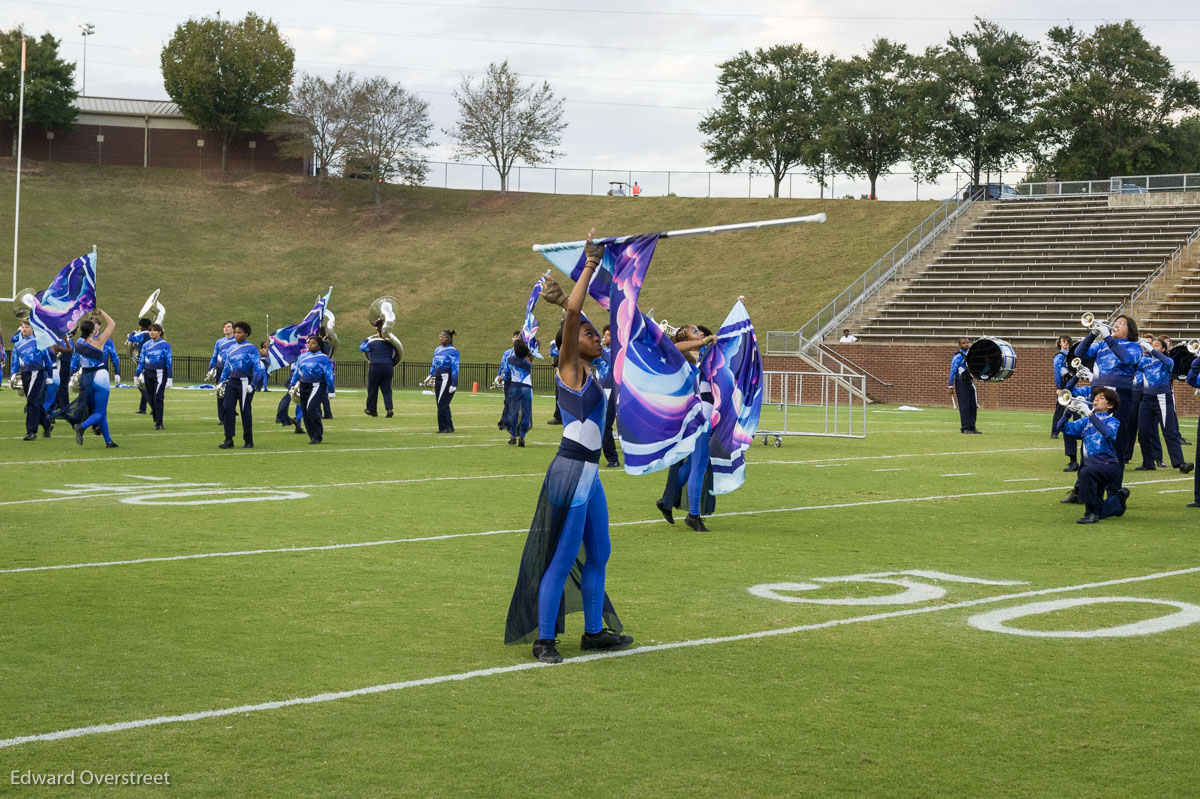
86 30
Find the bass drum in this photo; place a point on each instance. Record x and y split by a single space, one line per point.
991 359
1183 361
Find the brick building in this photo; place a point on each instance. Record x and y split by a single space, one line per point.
147 133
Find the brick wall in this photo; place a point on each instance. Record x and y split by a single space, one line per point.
918 375
168 147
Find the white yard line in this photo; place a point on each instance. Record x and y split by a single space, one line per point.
449 536
1024 480
331 696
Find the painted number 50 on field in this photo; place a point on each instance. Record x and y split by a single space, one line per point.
918 586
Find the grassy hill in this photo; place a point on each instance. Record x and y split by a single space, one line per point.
246 246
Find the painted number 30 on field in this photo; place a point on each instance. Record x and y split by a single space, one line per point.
926 588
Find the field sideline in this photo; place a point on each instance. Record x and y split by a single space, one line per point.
327 620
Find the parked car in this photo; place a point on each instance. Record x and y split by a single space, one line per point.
1132 188
991 191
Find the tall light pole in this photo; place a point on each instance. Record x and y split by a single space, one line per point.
86 30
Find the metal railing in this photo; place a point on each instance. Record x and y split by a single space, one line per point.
1120 184
1170 266
892 265
840 405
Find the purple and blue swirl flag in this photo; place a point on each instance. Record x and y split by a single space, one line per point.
70 297
659 416
734 369
570 262
529 327
287 343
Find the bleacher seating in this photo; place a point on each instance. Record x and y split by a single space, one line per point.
1027 269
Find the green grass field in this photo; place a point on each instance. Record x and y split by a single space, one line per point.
381 564
249 246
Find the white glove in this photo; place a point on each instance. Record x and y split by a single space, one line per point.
1084 410
140 381
1147 347
453 389
118 379
428 382
497 382
332 394
170 382
212 375
1101 331
1084 373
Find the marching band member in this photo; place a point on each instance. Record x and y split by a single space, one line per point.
443 375
136 339
154 367
1193 380
34 365
381 359
1064 378
603 368
963 388
518 377
1101 473
1158 409
216 364
314 373
58 393
557 417
500 381
327 348
694 470
243 374
94 384
572 509
1117 356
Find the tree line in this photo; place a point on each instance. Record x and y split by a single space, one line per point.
1082 107
238 77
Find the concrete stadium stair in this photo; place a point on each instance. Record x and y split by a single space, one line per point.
1026 270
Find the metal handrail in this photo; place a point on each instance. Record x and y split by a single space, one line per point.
1171 263
891 265
1119 184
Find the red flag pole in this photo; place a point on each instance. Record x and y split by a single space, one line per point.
20 144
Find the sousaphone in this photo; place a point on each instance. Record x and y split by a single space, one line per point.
383 314
25 302
152 310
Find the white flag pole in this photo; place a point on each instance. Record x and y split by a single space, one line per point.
20 143
698 231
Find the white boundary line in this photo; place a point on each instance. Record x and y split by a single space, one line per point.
78 732
450 536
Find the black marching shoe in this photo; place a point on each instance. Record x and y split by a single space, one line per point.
605 639
1054 436
613 465
143 413
696 523
33 437
512 441
554 421
158 427
1161 465
389 413
299 429
665 510
1144 468
544 649
1193 504
1087 518
226 444
46 432
1071 467
370 413
1070 499
248 445
79 434
110 445
1186 467
521 442
1123 496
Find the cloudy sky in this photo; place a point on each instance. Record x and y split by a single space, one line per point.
637 77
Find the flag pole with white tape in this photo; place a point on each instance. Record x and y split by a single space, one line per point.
698 231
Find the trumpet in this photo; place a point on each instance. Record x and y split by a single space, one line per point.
17 383
221 390
1193 346
1100 327
1081 371
294 391
1071 402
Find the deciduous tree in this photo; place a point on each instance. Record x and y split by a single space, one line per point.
49 83
502 120
228 77
391 126
319 121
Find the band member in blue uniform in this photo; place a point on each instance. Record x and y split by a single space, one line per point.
557 417
94 385
1158 409
381 366
327 348
1062 376
603 370
136 339
84 362
572 509
216 364
963 388
1193 380
1117 357
154 367
503 382
443 377
60 379
242 376
695 470
1100 475
34 365
518 376
314 373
